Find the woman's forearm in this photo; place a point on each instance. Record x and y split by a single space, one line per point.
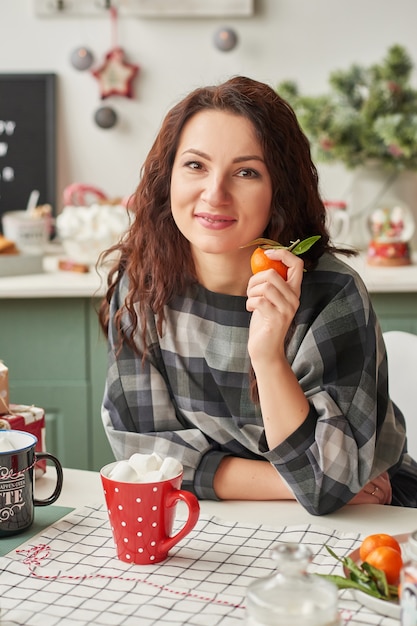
283 403
245 479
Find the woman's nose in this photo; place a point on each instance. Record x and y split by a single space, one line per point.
216 191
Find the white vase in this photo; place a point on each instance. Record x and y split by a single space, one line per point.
371 187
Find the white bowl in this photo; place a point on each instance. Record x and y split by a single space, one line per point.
85 251
85 232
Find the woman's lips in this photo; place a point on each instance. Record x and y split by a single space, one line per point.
214 222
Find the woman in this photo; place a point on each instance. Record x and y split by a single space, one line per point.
263 388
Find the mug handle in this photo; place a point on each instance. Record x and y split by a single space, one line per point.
193 514
59 479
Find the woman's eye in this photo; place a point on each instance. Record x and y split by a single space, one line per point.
193 165
248 173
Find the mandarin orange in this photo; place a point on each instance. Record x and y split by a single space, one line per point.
387 559
260 262
375 541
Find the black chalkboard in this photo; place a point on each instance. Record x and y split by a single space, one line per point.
27 139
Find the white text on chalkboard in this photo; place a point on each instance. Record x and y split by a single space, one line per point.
7 127
7 174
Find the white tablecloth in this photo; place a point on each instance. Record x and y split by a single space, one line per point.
69 574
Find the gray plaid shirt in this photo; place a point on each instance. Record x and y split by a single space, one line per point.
190 400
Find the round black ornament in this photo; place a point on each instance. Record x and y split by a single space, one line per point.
105 117
81 58
225 39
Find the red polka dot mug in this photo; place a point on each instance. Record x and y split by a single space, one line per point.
142 515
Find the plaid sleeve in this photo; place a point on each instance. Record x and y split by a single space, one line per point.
139 415
352 433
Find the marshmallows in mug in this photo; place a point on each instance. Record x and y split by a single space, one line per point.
6 445
145 468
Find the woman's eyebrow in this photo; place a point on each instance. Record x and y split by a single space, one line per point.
249 157
239 159
196 152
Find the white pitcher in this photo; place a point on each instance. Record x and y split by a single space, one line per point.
338 221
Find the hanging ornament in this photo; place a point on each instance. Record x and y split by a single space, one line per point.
105 117
225 39
81 58
115 76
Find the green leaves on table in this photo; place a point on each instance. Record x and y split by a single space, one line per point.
362 577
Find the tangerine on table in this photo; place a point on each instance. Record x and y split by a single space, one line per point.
375 541
387 559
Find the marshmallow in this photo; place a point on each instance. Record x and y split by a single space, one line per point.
170 467
143 463
96 222
151 477
123 472
146 468
6 445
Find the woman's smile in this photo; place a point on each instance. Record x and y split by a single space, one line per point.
214 222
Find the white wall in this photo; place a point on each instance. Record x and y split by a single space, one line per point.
299 39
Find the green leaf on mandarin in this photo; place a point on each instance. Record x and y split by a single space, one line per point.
296 247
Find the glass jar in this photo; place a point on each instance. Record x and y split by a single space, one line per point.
409 584
291 596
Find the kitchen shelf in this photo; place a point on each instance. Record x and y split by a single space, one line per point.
145 8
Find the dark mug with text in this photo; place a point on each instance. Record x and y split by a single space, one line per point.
17 461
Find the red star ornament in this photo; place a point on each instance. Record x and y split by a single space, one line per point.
115 76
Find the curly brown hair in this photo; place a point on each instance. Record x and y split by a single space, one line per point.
154 254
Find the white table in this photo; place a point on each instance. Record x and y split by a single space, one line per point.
82 487
68 574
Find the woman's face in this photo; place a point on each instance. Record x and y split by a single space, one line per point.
220 188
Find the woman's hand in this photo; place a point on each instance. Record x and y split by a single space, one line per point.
377 491
273 302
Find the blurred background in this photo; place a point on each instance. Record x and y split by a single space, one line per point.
298 40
